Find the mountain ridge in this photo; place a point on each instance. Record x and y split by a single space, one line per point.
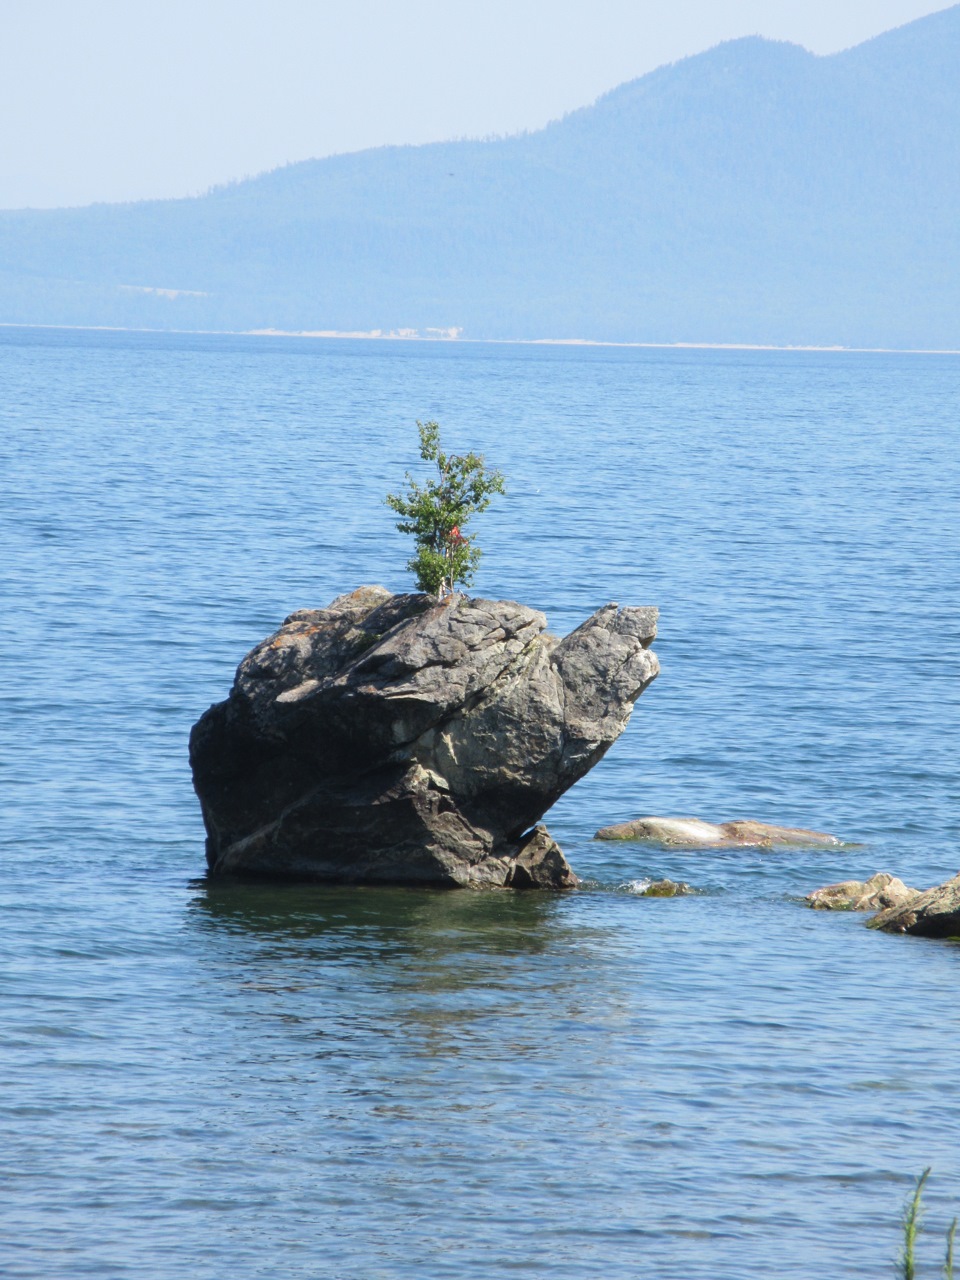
755 193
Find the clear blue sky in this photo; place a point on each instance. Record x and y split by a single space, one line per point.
130 99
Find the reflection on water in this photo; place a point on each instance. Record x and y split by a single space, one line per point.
427 965
414 919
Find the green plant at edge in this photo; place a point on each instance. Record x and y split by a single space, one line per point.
912 1213
911 1224
948 1263
436 513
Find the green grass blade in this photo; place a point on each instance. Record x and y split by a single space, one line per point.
911 1224
948 1265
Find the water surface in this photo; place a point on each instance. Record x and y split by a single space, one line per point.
381 1083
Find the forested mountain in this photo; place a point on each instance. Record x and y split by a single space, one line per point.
754 193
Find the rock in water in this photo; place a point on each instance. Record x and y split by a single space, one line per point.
882 890
689 833
935 913
397 738
666 889
694 833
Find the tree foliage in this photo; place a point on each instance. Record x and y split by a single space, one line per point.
437 513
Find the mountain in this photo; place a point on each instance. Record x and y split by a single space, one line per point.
754 193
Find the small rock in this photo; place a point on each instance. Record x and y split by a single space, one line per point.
540 864
880 891
666 889
693 833
935 913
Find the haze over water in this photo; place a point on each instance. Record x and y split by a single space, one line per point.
377 1083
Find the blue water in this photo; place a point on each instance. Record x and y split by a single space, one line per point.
369 1084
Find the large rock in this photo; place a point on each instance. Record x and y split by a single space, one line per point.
881 891
400 738
694 833
935 913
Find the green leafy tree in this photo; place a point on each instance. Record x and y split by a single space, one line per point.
437 513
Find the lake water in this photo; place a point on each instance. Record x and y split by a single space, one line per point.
369 1084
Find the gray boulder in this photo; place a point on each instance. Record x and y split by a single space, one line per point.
881 891
935 913
404 739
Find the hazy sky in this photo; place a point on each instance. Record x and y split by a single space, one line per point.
129 99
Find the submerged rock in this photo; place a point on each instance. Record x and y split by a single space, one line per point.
666 889
404 739
693 833
765 835
882 890
689 832
935 913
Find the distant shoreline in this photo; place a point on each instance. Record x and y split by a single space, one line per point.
409 335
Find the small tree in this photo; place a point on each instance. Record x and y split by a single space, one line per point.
436 513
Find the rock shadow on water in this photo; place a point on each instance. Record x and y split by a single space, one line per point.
378 924
347 969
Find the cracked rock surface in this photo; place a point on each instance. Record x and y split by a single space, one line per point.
935 913
402 739
879 893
